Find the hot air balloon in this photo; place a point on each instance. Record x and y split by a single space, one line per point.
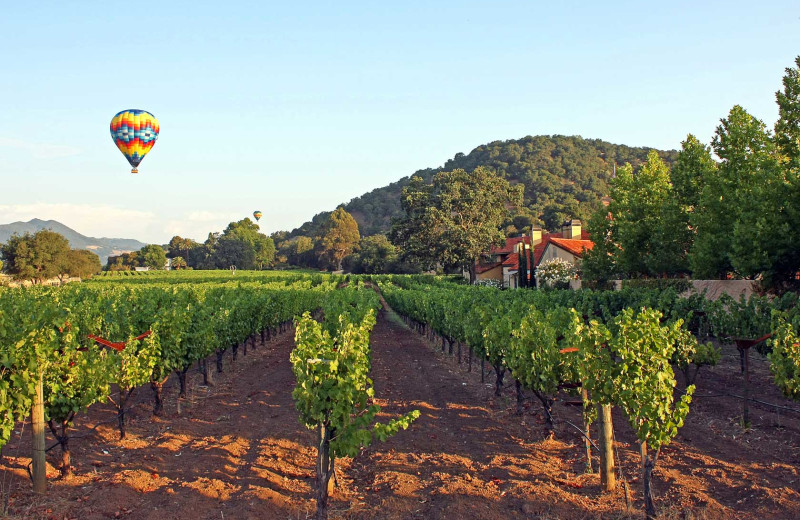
257 215
134 132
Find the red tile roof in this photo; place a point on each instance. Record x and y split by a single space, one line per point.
483 268
509 246
576 247
512 261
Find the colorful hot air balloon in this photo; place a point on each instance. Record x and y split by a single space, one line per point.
257 215
134 132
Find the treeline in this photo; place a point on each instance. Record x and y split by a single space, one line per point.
338 245
241 245
46 255
735 217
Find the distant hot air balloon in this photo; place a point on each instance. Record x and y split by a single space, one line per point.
257 215
134 132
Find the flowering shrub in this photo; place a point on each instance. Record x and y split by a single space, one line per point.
488 282
556 273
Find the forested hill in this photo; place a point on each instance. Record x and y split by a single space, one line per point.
564 177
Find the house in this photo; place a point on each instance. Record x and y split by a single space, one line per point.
570 246
502 263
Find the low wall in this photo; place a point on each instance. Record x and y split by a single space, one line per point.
716 288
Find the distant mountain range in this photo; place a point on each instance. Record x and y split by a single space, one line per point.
102 247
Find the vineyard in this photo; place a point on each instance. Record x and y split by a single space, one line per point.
284 395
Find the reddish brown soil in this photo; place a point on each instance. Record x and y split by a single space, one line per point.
238 451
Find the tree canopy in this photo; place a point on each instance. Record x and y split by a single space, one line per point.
456 218
153 256
337 238
44 255
737 217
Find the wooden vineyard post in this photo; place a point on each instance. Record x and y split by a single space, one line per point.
39 471
607 480
744 345
586 430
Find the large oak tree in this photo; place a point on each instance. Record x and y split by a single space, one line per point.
456 218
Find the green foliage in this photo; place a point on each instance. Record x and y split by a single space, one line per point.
338 238
599 264
785 356
534 355
563 177
747 156
680 285
375 255
637 207
333 385
456 218
628 364
153 256
182 247
297 251
82 263
745 318
36 257
241 244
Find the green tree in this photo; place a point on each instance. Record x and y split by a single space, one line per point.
764 240
299 251
36 257
747 168
82 263
674 235
240 244
636 206
599 263
338 238
787 128
376 255
456 218
231 251
123 262
179 246
153 256
414 234
178 262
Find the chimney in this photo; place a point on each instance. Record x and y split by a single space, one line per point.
536 236
571 229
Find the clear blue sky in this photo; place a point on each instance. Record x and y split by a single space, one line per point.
294 108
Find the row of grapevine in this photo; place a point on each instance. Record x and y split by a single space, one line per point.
53 335
616 349
334 394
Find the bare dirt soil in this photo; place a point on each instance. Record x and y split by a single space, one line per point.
238 451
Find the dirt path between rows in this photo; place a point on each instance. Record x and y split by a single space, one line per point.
238 451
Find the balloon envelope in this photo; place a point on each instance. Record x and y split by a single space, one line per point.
134 132
257 215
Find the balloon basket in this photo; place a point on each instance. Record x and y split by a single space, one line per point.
134 170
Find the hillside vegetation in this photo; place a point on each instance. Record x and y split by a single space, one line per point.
564 177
